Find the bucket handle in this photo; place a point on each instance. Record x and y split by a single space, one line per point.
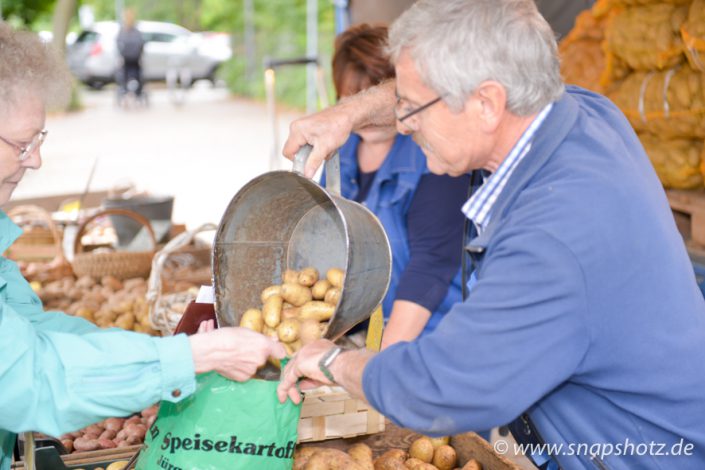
332 168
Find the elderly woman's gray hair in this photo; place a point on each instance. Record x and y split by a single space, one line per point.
458 44
30 68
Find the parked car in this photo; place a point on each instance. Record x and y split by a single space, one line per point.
94 57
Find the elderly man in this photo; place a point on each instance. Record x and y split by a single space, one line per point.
583 318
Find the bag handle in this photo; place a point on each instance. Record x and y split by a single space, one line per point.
78 247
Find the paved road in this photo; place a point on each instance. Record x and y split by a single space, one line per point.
201 152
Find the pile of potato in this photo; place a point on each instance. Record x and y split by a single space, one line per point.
425 453
296 312
111 433
107 302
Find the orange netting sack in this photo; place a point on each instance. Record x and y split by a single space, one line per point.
648 37
678 162
693 33
670 104
582 58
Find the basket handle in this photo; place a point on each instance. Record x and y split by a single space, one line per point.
43 215
154 284
78 247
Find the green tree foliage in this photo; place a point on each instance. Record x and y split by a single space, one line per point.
25 12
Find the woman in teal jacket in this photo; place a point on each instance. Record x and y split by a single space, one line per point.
59 373
420 211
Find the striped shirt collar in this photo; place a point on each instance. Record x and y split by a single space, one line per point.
479 207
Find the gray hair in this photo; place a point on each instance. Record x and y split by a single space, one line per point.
458 44
30 68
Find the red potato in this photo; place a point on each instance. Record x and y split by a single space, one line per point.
114 424
84 445
106 444
108 434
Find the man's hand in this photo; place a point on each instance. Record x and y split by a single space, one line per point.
328 130
235 353
304 364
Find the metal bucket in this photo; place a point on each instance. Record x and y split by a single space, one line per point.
282 220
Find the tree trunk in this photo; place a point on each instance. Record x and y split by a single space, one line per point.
63 12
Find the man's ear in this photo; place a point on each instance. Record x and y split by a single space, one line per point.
492 98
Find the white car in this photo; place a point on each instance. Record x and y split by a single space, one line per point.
95 60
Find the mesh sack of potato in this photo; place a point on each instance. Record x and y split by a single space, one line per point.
693 34
224 425
582 57
670 104
648 37
677 162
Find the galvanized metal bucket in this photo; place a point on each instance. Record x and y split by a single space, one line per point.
282 220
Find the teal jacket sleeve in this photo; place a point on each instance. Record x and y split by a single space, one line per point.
55 382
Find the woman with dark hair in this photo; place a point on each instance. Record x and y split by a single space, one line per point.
420 211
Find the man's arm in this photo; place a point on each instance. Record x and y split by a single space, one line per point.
346 369
328 130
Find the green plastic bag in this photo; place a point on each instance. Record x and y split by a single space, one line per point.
223 425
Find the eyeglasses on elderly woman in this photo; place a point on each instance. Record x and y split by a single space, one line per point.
25 151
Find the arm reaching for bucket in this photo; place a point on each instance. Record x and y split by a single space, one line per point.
327 130
346 369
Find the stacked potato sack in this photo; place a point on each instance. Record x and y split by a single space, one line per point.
664 94
582 58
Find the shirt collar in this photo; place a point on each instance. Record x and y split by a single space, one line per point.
479 207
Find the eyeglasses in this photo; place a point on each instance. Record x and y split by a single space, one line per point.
34 144
402 113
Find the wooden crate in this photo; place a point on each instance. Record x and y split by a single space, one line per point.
84 460
471 446
689 211
331 413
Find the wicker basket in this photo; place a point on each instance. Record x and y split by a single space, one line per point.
165 310
120 264
38 249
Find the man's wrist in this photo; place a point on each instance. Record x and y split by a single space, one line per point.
326 362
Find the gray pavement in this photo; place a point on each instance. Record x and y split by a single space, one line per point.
201 152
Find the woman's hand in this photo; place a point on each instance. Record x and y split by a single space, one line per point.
235 353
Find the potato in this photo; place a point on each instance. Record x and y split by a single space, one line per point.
108 434
416 464
439 441
288 331
472 465
317 310
308 276
310 331
290 277
295 294
119 465
126 321
331 459
85 445
270 291
271 332
319 289
332 296
106 444
291 312
68 445
302 455
393 459
445 458
335 276
252 319
272 311
362 454
422 449
292 348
